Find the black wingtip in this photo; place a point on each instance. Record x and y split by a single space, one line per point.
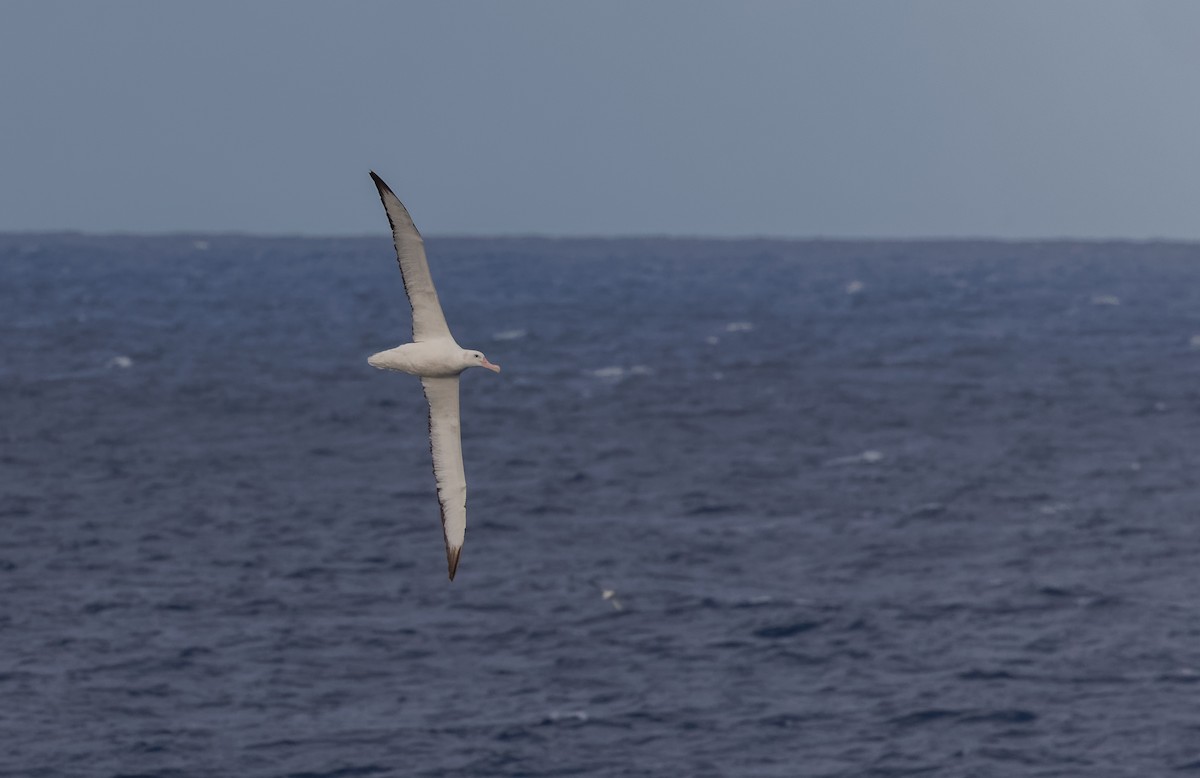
380 184
452 559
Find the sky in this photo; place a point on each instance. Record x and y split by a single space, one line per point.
856 119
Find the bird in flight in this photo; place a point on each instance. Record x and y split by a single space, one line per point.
438 360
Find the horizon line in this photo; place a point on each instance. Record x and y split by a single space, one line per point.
550 237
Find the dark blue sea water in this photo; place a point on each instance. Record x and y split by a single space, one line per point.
866 509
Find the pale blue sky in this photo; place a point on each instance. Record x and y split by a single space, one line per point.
854 119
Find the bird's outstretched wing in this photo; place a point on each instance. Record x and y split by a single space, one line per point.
445 442
429 323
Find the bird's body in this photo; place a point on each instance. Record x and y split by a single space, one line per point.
438 360
442 358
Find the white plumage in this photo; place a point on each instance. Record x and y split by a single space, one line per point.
438 360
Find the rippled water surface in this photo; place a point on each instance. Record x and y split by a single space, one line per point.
736 508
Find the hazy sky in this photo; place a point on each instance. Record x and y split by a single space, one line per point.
872 119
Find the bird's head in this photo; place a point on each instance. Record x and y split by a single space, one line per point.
477 359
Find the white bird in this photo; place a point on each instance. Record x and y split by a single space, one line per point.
438 360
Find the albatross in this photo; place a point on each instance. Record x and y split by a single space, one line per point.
438 360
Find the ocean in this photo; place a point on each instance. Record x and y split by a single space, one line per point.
735 508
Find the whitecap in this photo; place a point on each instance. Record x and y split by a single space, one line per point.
739 326
509 335
854 287
1105 299
120 361
568 715
868 457
617 372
